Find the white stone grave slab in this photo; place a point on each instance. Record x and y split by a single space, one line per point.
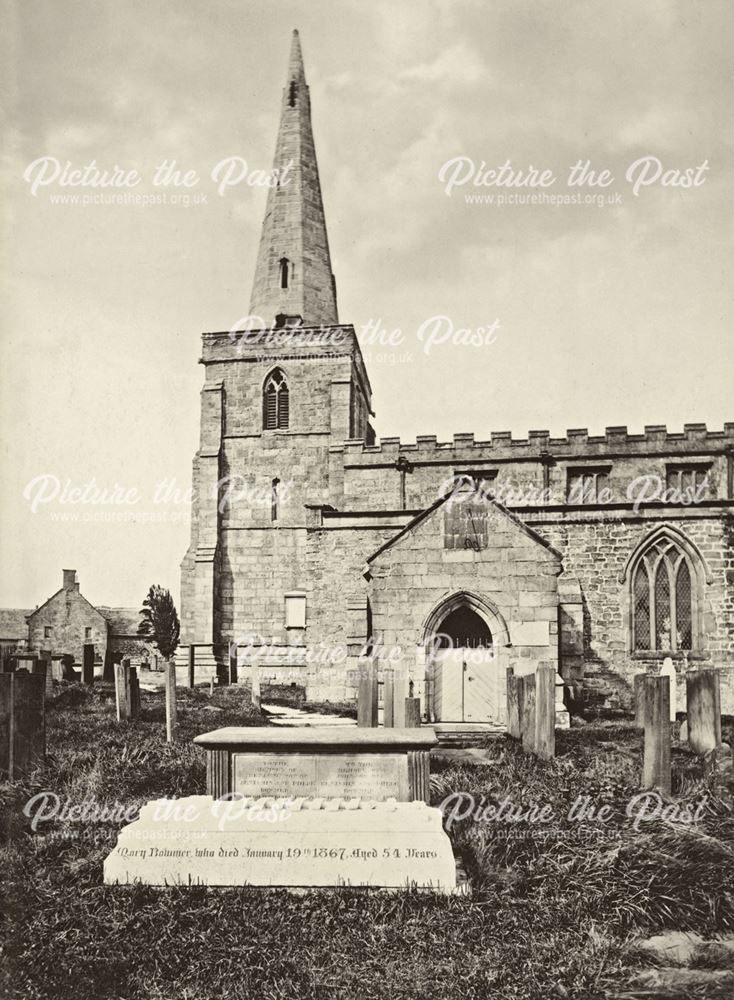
294 842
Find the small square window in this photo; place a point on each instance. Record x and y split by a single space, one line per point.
87 633
46 631
295 610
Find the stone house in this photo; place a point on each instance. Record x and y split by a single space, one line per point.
67 620
311 543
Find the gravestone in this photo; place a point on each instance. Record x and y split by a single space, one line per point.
22 722
639 682
514 704
293 842
656 761
367 709
527 720
668 670
88 663
169 668
388 698
374 764
704 710
412 713
545 711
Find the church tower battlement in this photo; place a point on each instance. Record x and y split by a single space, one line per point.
294 283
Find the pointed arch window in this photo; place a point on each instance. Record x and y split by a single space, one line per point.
275 401
664 599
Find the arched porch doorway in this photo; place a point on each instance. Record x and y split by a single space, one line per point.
465 638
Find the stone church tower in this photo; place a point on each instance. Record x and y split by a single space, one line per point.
311 543
273 401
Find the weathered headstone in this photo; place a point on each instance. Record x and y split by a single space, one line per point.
545 711
656 763
22 722
527 719
412 713
668 670
639 682
703 699
108 671
134 692
127 691
514 687
57 670
255 683
400 693
287 841
45 668
232 678
367 694
388 698
169 668
88 663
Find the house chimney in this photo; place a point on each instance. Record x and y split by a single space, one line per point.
70 579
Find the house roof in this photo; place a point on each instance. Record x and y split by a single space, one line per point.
13 623
121 621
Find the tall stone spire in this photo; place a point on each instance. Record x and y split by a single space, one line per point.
293 278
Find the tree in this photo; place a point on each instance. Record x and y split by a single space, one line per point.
160 625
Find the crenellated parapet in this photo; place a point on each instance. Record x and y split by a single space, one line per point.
539 445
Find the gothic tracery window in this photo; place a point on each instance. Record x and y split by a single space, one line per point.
275 401
663 599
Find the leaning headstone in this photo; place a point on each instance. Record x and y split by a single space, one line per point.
527 720
656 762
668 670
288 841
704 710
22 722
367 694
545 711
88 663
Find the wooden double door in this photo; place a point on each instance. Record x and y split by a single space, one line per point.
468 685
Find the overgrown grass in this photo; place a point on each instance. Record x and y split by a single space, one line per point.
550 916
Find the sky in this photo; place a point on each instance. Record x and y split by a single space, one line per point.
600 314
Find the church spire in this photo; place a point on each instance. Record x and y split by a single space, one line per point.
293 278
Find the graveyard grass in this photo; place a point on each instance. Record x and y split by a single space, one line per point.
552 916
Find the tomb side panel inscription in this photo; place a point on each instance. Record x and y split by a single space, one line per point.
275 774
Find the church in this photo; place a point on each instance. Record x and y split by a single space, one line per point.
449 562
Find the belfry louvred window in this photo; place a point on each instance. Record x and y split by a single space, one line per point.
275 401
663 599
